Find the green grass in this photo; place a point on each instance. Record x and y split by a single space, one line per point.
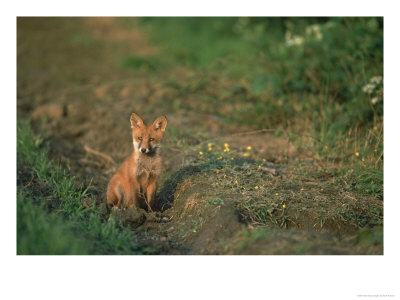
42 233
51 217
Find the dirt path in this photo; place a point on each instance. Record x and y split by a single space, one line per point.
271 199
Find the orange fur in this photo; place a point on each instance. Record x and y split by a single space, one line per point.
135 182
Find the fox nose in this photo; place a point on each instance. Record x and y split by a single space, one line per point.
143 150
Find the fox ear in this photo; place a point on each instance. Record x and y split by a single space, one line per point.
160 123
136 121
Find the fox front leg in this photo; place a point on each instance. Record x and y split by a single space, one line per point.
150 194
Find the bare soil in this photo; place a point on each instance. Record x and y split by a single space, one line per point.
73 90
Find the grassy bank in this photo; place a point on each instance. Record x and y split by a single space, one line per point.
55 214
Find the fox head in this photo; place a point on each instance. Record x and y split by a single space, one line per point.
147 138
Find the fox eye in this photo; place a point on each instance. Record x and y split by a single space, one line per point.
151 139
140 138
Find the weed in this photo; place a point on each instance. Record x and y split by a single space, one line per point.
215 201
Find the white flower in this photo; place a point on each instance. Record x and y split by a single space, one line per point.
376 79
298 40
294 40
373 83
314 30
368 88
374 100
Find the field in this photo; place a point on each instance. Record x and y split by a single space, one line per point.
274 143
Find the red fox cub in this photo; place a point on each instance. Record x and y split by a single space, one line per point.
134 183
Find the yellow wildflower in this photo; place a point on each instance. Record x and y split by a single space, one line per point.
226 145
256 187
226 150
209 145
246 154
362 159
219 157
283 206
209 148
357 154
276 194
201 153
249 148
301 189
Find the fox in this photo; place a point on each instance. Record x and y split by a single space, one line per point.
135 181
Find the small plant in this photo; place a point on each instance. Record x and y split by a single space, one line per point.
215 201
